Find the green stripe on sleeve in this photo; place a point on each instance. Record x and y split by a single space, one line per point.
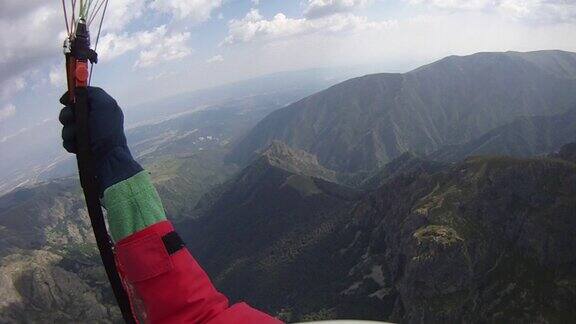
132 205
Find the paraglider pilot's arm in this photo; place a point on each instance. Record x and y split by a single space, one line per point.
150 255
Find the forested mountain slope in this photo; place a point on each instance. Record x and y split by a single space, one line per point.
267 234
488 239
50 267
363 123
524 137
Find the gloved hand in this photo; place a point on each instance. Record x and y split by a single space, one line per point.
113 160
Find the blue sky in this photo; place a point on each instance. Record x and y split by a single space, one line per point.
152 49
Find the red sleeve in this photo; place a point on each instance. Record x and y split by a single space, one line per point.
173 287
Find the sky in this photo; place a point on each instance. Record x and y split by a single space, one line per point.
150 49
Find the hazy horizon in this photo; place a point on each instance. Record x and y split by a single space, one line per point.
150 50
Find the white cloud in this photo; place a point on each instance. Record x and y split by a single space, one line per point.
197 10
10 86
456 4
120 13
113 45
28 37
8 111
538 11
57 76
215 59
321 8
547 11
31 36
255 27
155 46
168 48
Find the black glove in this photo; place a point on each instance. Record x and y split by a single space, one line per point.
113 160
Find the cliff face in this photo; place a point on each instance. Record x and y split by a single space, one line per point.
48 214
491 240
39 286
50 269
488 239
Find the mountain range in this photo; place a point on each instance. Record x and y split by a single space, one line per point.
488 239
445 194
524 137
34 153
363 123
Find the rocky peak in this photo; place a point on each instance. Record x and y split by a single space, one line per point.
280 155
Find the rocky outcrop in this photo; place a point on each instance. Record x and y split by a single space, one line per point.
50 214
296 161
50 270
36 288
490 241
487 240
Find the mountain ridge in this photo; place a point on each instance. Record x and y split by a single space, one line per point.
439 244
364 122
524 137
